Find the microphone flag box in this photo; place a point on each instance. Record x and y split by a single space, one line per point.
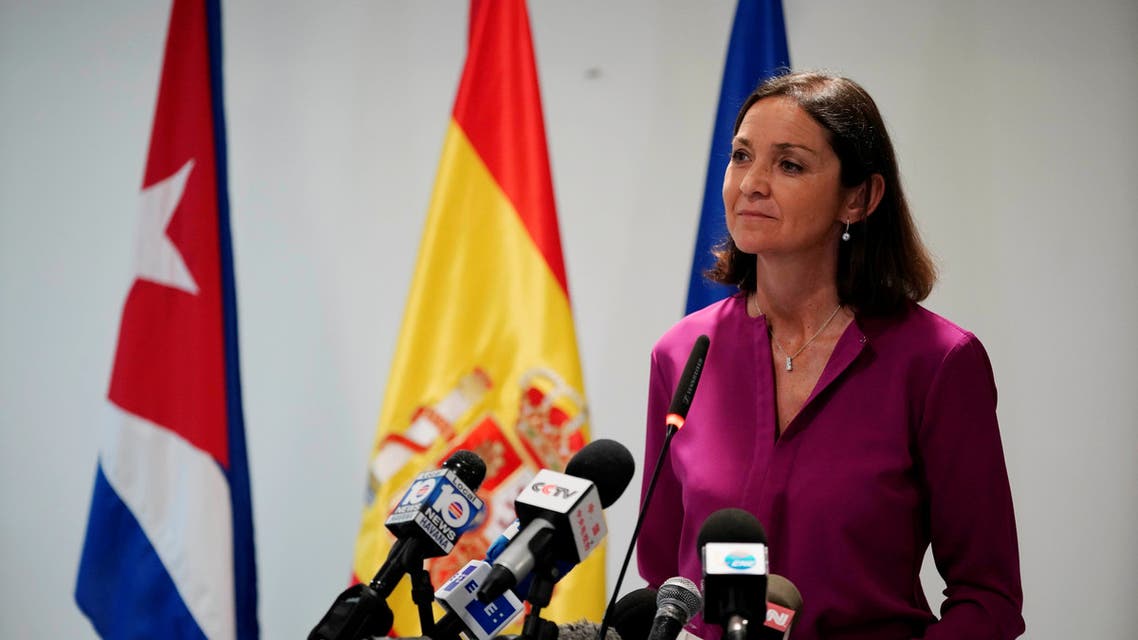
437 505
778 617
734 581
484 621
574 499
734 559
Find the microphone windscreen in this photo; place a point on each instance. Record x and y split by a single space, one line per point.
584 630
468 466
782 592
731 525
683 594
607 464
632 615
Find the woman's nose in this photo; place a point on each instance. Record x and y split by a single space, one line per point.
756 181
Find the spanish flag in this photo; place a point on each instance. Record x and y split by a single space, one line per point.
487 355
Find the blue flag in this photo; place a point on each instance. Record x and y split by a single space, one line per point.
756 52
169 545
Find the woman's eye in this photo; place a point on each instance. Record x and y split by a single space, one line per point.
739 155
790 166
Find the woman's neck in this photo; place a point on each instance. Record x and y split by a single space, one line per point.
796 298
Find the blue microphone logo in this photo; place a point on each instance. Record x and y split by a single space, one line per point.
740 561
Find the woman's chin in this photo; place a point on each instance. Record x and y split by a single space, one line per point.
752 245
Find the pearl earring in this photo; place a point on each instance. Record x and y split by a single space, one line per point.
846 235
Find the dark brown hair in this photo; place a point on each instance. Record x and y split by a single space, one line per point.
884 264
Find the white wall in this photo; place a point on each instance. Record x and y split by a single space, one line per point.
1015 123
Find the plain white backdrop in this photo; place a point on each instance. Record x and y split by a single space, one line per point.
1016 129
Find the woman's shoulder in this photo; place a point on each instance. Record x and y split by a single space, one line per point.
709 321
919 332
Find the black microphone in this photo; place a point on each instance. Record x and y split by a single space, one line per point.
560 514
732 546
358 612
632 615
439 506
783 603
689 379
677 414
676 602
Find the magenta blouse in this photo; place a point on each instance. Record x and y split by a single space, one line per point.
897 447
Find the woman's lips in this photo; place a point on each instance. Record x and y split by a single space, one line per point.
754 214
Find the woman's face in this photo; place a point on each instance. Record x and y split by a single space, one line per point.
782 190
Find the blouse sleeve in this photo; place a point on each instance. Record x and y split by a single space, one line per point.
970 514
656 548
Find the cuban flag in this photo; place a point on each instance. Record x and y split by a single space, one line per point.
169 545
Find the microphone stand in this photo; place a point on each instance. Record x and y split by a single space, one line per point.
407 559
545 575
669 434
677 413
423 595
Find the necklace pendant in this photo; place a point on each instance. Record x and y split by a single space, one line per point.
789 365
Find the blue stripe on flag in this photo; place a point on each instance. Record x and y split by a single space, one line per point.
244 558
757 51
115 540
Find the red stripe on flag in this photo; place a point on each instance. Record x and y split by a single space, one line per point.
499 108
170 361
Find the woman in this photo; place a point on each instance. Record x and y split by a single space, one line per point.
857 426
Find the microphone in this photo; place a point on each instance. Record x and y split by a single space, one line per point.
676 602
632 617
783 603
503 540
358 612
633 614
560 514
677 414
464 612
439 506
449 626
689 379
733 551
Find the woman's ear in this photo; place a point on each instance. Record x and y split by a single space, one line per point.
864 198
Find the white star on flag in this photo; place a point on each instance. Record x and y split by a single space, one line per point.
156 257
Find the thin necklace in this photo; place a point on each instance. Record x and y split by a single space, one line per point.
790 358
